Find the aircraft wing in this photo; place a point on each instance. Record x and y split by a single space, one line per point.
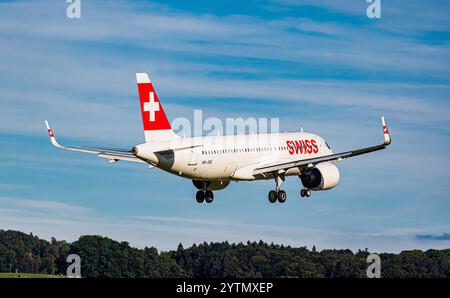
113 154
303 163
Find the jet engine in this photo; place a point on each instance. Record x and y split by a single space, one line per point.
211 185
323 176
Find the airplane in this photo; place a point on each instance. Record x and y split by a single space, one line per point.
212 162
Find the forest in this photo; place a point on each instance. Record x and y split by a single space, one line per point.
106 258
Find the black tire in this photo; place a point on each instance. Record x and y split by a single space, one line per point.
308 193
281 196
200 197
209 196
273 196
302 192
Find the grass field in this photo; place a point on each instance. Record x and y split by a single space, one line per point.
29 275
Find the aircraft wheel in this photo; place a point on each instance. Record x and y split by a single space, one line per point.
209 196
308 193
302 193
272 196
200 196
281 196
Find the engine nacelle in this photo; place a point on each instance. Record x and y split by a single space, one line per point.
323 176
211 185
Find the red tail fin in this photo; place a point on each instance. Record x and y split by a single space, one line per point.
156 125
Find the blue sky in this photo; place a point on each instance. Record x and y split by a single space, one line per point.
321 65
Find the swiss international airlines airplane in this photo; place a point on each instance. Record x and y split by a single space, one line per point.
211 162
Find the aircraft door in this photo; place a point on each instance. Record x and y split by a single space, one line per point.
193 158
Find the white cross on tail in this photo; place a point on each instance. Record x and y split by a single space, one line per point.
151 106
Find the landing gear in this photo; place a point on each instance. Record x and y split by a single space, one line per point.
305 192
200 196
277 194
204 195
209 196
273 196
281 196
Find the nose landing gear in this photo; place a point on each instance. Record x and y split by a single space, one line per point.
304 192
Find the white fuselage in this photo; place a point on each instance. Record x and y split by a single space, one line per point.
234 157
211 162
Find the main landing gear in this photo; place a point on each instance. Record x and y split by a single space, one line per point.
204 195
280 195
277 194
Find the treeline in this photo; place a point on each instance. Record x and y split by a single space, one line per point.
103 257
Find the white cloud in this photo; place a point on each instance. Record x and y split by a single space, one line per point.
13 186
398 16
44 206
52 68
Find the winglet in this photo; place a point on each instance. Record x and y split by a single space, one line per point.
52 136
387 136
